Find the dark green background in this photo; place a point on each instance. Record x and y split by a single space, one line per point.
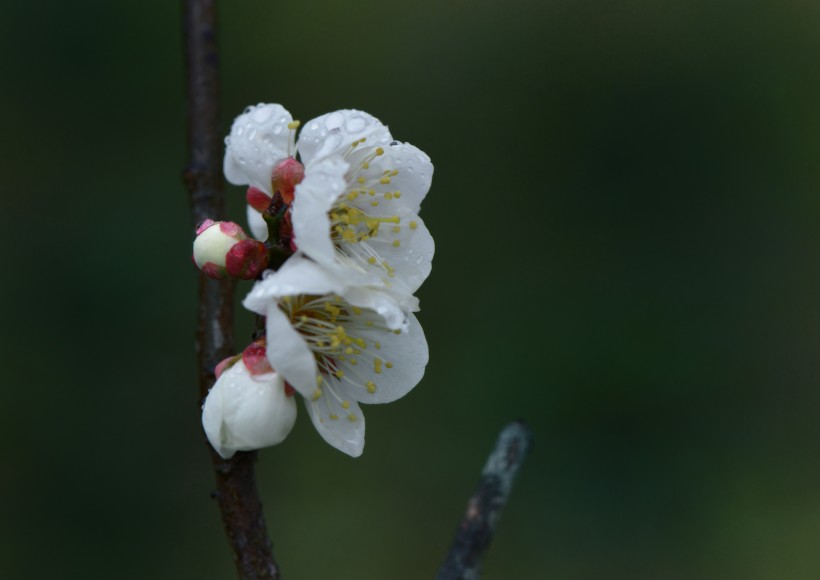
626 211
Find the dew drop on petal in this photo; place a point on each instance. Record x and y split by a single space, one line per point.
314 126
334 120
262 114
334 140
395 143
419 260
355 124
240 131
252 134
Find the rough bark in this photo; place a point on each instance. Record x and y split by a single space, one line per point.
236 492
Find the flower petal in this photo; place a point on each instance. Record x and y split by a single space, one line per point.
243 412
335 133
257 225
323 184
415 172
382 303
339 421
297 276
288 353
259 139
400 255
397 368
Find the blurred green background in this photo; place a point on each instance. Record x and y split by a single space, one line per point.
626 212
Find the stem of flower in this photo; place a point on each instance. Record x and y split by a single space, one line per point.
236 493
484 509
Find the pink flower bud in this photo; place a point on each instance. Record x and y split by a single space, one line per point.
222 249
255 358
204 226
247 259
225 363
258 199
286 175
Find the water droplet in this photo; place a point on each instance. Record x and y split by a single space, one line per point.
334 120
419 260
262 114
241 161
240 131
252 134
356 124
334 140
248 109
395 143
277 129
314 126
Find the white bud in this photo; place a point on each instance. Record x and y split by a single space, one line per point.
244 412
212 244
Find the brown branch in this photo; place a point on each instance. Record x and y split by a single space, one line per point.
236 493
484 509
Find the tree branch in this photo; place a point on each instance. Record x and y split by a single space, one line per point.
236 493
484 509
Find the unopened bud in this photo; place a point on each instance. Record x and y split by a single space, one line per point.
244 411
258 199
287 174
247 259
222 249
255 358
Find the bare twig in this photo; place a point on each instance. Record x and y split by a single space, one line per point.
485 506
236 493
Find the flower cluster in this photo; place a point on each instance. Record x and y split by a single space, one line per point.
341 251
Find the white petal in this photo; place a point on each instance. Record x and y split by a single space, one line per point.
340 425
259 140
323 184
380 302
244 412
297 276
288 353
415 172
408 251
408 354
257 225
334 133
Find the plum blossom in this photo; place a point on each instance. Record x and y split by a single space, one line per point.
356 204
338 345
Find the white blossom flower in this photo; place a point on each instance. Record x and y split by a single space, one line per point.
247 410
357 206
338 345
